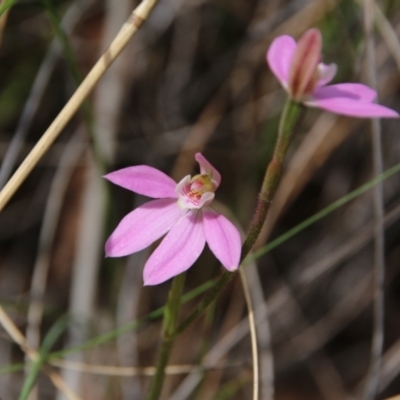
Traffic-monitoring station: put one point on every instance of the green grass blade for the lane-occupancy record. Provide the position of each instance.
(9, 369)
(63, 38)
(69, 56)
(323, 213)
(6, 5)
(57, 329)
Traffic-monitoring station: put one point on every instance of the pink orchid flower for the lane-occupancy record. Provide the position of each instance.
(182, 212)
(298, 68)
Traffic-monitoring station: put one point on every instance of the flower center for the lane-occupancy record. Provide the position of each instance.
(201, 184)
(195, 192)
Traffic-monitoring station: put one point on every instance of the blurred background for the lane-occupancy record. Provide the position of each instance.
(194, 78)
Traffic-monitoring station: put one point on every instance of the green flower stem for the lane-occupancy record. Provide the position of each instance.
(210, 296)
(289, 121)
(57, 329)
(170, 324)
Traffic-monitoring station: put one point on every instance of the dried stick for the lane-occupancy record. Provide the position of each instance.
(130, 27)
(266, 358)
(253, 333)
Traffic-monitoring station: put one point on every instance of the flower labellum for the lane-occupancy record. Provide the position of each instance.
(299, 69)
(182, 212)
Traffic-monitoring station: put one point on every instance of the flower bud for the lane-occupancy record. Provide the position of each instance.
(303, 73)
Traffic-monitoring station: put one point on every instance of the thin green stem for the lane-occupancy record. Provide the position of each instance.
(289, 120)
(290, 117)
(210, 296)
(170, 323)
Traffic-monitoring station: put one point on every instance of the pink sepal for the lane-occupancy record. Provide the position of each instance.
(223, 238)
(178, 250)
(144, 180)
(141, 227)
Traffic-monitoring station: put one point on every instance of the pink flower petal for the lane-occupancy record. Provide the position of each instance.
(326, 73)
(206, 199)
(178, 250)
(207, 169)
(352, 108)
(279, 57)
(144, 180)
(355, 91)
(223, 238)
(143, 226)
